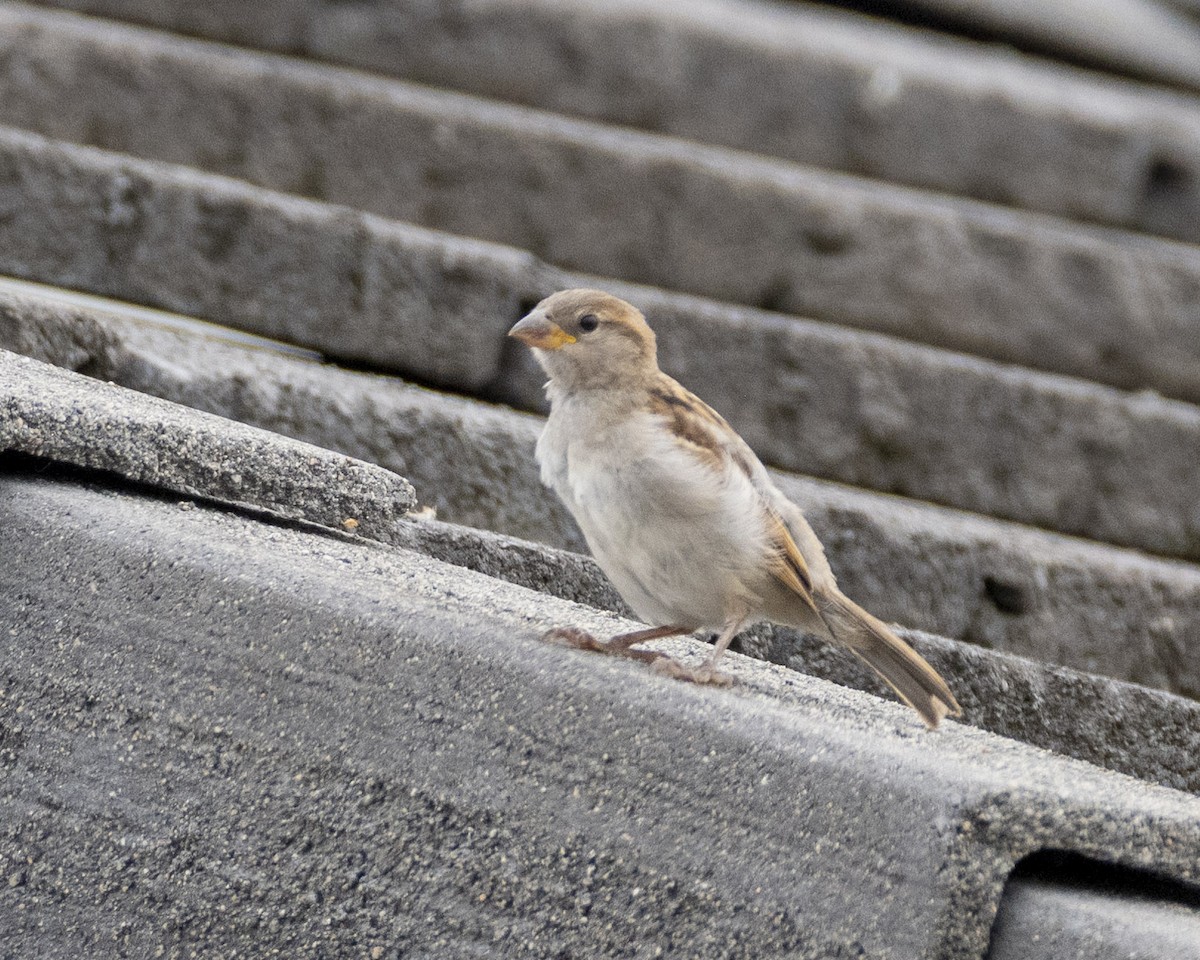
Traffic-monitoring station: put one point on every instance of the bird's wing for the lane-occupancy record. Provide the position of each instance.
(787, 563)
(707, 435)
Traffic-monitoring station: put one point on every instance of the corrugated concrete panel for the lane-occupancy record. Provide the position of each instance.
(266, 720)
(1048, 598)
(1120, 726)
(1015, 287)
(1095, 913)
(798, 82)
(1151, 39)
(265, 740)
(840, 404)
(50, 413)
(325, 276)
(996, 584)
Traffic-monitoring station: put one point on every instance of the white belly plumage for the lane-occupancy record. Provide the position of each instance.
(668, 531)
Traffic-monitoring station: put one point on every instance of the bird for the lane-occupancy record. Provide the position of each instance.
(679, 512)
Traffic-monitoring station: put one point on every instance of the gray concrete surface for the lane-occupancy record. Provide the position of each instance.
(798, 81)
(235, 724)
(323, 276)
(1151, 39)
(456, 449)
(1041, 920)
(1014, 287)
(995, 584)
(839, 404)
(51, 413)
(309, 745)
(1123, 727)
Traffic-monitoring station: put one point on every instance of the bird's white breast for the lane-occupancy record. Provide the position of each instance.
(682, 543)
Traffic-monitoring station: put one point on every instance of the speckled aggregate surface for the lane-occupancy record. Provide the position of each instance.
(857, 407)
(254, 703)
(998, 585)
(477, 463)
(67, 418)
(276, 742)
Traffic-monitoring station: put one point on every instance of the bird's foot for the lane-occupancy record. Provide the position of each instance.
(580, 639)
(572, 637)
(707, 674)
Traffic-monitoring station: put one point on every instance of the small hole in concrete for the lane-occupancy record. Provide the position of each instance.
(1166, 177)
(1050, 892)
(1007, 597)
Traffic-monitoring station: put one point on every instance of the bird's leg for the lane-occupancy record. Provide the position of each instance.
(619, 645)
(708, 672)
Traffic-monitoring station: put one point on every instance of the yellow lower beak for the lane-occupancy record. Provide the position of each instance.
(537, 331)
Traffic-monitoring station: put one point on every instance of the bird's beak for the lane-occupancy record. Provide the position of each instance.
(537, 330)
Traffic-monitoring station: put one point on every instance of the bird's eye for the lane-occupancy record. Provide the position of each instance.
(589, 322)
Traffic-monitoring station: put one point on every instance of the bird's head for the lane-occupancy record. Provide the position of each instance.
(588, 339)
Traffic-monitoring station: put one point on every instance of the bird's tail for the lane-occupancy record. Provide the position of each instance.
(917, 683)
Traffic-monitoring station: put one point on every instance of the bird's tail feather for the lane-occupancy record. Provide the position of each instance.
(905, 670)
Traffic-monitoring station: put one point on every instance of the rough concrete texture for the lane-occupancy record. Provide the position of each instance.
(995, 584)
(465, 458)
(225, 731)
(1015, 287)
(1123, 727)
(1129, 729)
(322, 276)
(802, 83)
(1151, 39)
(61, 416)
(1041, 920)
(311, 745)
(839, 404)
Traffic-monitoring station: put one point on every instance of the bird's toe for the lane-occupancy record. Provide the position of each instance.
(575, 637)
(706, 675)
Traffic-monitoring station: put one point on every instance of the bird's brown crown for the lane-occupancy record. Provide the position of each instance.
(570, 310)
(589, 339)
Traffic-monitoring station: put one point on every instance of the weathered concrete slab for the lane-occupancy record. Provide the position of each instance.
(317, 275)
(838, 404)
(1130, 729)
(393, 762)
(51, 413)
(1014, 287)
(1127, 729)
(802, 83)
(1142, 38)
(1041, 919)
(998, 585)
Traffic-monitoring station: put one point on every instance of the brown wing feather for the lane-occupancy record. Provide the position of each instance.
(698, 426)
(788, 565)
(705, 432)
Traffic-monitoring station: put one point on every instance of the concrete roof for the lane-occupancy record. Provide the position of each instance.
(326, 730)
(256, 700)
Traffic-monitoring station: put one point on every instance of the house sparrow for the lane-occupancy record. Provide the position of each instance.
(679, 512)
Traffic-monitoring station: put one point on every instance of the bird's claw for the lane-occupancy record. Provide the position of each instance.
(706, 675)
(572, 637)
(660, 663)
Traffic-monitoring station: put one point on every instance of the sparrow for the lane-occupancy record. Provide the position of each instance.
(678, 511)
